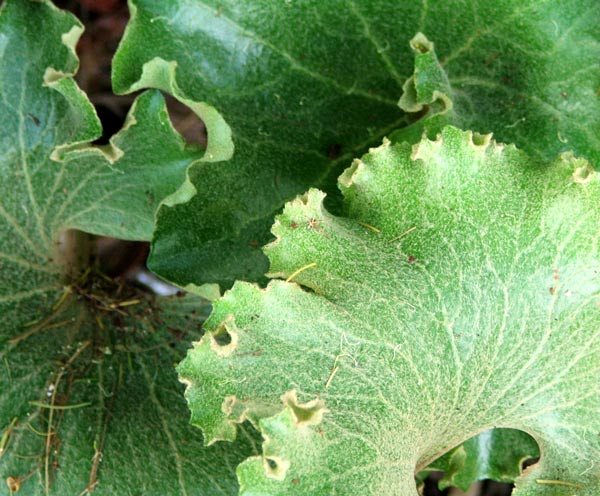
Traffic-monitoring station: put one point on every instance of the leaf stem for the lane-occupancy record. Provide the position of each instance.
(559, 483)
(301, 269)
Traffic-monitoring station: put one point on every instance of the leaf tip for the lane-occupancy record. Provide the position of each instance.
(71, 37)
(304, 209)
(386, 143)
(234, 409)
(53, 76)
(276, 467)
(452, 137)
(421, 44)
(304, 414)
(481, 141)
(584, 173)
(162, 74)
(346, 179)
(224, 339)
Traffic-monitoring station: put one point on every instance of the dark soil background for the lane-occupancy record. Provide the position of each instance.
(105, 21)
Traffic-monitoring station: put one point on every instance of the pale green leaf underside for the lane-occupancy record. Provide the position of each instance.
(475, 306)
(129, 432)
(307, 86)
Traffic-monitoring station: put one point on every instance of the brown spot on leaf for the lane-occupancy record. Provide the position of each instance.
(14, 484)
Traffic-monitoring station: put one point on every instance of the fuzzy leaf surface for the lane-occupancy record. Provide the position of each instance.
(307, 86)
(461, 293)
(88, 394)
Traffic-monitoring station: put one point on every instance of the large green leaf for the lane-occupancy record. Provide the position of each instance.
(77, 340)
(461, 293)
(126, 427)
(307, 85)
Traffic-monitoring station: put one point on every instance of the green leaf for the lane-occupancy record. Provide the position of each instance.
(461, 293)
(97, 404)
(427, 93)
(53, 178)
(497, 454)
(88, 393)
(307, 86)
(113, 191)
